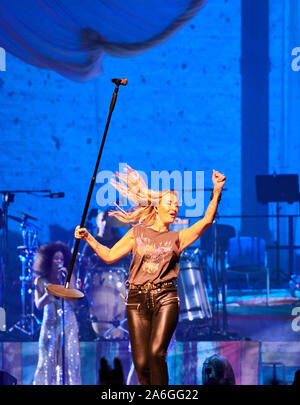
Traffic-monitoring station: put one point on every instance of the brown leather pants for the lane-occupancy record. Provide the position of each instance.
(152, 318)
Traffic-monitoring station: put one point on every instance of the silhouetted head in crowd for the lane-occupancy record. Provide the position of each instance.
(109, 376)
(297, 378)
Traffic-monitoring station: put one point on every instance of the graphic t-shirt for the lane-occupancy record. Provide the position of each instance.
(155, 256)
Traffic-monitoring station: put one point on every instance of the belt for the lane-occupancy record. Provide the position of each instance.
(150, 286)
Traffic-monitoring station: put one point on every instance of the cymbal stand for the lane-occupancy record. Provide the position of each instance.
(7, 198)
(29, 323)
(279, 271)
(116, 325)
(219, 257)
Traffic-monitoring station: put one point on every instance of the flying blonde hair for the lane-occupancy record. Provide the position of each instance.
(131, 185)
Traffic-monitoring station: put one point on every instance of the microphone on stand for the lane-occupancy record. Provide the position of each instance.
(63, 272)
(123, 82)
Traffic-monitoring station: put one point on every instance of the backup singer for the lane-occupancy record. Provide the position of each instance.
(50, 263)
(153, 303)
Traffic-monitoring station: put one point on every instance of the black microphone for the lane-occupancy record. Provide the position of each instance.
(56, 195)
(62, 270)
(123, 82)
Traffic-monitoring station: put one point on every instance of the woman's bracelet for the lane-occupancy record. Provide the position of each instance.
(212, 196)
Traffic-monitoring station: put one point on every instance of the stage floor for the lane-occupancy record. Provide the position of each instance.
(253, 362)
(259, 340)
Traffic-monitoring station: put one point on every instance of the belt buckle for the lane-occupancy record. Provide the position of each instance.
(148, 286)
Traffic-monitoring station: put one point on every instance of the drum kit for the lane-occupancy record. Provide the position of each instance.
(28, 323)
(105, 291)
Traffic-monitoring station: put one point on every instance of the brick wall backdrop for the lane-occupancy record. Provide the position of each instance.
(180, 111)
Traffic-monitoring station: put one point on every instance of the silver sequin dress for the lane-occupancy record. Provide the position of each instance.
(49, 368)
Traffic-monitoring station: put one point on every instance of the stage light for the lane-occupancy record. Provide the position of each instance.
(217, 370)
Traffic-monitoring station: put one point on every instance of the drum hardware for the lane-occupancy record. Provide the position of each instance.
(195, 311)
(8, 197)
(199, 309)
(116, 324)
(104, 288)
(26, 216)
(219, 296)
(194, 303)
(102, 284)
(29, 324)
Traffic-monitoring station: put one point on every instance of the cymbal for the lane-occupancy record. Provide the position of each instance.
(27, 216)
(20, 220)
(64, 292)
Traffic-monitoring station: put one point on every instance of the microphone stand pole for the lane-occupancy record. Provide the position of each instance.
(65, 291)
(63, 364)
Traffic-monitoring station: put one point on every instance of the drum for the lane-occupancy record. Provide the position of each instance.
(194, 302)
(103, 287)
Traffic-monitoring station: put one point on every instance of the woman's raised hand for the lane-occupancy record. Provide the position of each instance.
(81, 233)
(218, 180)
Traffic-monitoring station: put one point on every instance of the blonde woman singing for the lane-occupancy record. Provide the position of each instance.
(153, 303)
